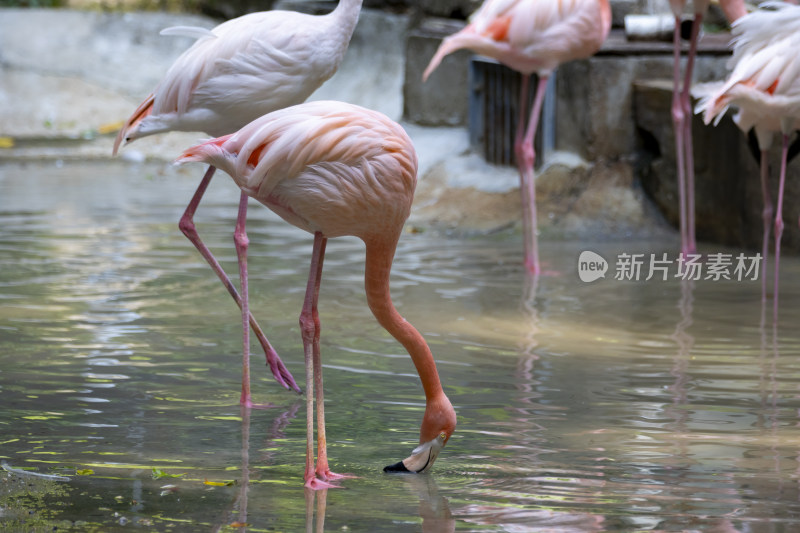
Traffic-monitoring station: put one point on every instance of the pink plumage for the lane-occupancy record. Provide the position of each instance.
(764, 85)
(531, 36)
(244, 68)
(337, 169)
(326, 167)
(765, 80)
(234, 73)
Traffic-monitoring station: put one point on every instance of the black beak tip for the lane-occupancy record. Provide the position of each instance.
(398, 467)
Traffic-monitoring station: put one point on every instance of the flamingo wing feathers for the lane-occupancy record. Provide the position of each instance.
(244, 68)
(765, 78)
(532, 35)
(322, 166)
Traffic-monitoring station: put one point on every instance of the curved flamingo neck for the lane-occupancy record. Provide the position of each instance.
(346, 13)
(376, 279)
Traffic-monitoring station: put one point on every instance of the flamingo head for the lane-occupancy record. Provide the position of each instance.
(437, 427)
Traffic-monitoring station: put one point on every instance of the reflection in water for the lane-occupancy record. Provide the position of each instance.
(531, 316)
(315, 515)
(434, 509)
(677, 410)
(588, 407)
(525, 380)
(237, 516)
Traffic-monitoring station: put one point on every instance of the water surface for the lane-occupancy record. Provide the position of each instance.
(613, 405)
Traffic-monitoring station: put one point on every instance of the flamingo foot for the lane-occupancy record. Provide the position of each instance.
(533, 266)
(247, 401)
(250, 405)
(314, 483)
(536, 269)
(279, 370)
(327, 475)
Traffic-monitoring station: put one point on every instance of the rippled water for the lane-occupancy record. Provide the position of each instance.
(613, 405)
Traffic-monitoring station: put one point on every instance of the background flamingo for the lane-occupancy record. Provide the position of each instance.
(765, 85)
(336, 169)
(234, 73)
(682, 110)
(531, 36)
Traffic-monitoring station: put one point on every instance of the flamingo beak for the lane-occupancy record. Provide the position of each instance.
(421, 459)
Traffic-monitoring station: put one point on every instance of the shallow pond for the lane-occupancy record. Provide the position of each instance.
(612, 405)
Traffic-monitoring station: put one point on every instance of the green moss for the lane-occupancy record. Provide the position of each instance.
(27, 504)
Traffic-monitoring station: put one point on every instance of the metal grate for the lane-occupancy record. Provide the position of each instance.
(494, 110)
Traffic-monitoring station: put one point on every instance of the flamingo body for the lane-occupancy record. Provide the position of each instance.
(531, 36)
(234, 73)
(244, 68)
(337, 169)
(764, 85)
(323, 167)
(765, 81)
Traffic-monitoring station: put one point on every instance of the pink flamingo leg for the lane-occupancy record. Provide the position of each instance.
(526, 158)
(518, 151)
(779, 222)
(686, 106)
(678, 119)
(186, 224)
(310, 327)
(242, 243)
(767, 218)
(309, 477)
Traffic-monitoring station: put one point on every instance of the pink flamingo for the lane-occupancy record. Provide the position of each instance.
(531, 36)
(682, 110)
(765, 85)
(336, 169)
(234, 73)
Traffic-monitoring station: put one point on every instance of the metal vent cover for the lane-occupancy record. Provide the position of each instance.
(494, 111)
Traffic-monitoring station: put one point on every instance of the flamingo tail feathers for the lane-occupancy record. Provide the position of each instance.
(210, 152)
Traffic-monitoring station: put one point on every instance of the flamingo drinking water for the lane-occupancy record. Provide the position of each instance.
(336, 169)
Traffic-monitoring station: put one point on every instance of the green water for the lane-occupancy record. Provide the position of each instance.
(613, 405)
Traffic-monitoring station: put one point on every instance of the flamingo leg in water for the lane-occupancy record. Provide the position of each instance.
(310, 327)
(526, 158)
(518, 140)
(678, 119)
(242, 242)
(186, 224)
(779, 222)
(767, 219)
(688, 155)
